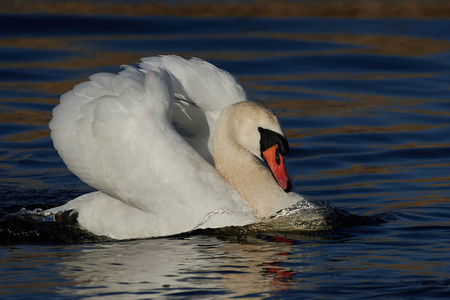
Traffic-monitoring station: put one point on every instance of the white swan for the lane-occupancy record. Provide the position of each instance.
(144, 139)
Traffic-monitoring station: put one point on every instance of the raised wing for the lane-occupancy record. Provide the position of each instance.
(97, 121)
(115, 133)
(202, 91)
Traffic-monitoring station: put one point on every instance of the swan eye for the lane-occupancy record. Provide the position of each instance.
(277, 156)
(270, 139)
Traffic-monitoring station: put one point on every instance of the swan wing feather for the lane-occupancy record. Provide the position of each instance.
(202, 91)
(115, 132)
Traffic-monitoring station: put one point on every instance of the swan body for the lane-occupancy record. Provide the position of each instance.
(145, 139)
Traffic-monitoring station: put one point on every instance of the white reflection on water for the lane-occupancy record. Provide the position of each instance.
(197, 265)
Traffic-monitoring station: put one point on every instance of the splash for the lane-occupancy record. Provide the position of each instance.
(306, 216)
(39, 227)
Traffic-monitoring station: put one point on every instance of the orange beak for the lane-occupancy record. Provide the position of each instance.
(275, 162)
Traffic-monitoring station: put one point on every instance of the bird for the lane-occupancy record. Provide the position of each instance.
(170, 145)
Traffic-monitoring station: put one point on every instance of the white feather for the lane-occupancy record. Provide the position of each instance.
(116, 133)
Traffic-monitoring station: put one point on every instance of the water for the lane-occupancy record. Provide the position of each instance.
(364, 102)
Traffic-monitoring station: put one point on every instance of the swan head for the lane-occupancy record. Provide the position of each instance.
(257, 129)
(274, 147)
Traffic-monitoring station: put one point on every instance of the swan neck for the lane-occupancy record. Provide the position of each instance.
(245, 173)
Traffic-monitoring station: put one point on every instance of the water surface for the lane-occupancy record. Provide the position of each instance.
(364, 102)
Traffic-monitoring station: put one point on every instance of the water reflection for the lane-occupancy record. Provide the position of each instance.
(32, 272)
(366, 258)
(198, 265)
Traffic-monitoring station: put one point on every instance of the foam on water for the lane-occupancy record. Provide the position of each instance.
(306, 216)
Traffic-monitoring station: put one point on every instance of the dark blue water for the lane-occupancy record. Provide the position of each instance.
(365, 104)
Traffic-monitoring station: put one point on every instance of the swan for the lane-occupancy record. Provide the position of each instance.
(171, 146)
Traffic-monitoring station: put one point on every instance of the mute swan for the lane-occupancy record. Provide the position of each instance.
(144, 138)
